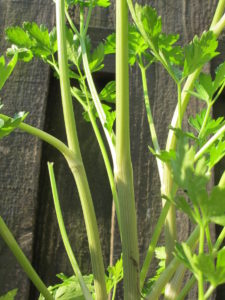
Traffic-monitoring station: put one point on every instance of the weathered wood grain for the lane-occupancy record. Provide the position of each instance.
(20, 154)
(26, 201)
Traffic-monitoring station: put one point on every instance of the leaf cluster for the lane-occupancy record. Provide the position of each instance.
(137, 46)
(115, 275)
(160, 254)
(192, 178)
(6, 69)
(6, 127)
(213, 269)
(207, 89)
(179, 62)
(31, 40)
(69, 288)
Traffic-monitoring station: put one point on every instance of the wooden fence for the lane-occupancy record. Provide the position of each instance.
(25, 197)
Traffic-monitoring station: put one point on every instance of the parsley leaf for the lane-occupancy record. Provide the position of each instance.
(10, 295)
(108, 93)
(31, 40)
(96, 58)
(211, 126)
(6, 127)
(214, 208)
(136, 45)
(69, 288)
(6, 69)
(199, 52)
(216, 153)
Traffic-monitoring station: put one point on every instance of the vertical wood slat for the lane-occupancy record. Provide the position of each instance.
(19, 153)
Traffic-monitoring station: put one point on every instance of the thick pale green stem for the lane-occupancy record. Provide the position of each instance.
(124, 172)
(170, 222)
(173, 288)
(77, 167)
(219, 12)
(64, 235)
(7, 236)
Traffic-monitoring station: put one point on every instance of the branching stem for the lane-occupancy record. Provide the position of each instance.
(77, 168)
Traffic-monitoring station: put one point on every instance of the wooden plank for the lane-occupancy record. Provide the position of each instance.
(19, 178)
(20, 154)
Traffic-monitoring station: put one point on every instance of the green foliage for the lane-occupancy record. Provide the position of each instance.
(69, 288)
(211, 126)
(6, 69)
(136, 46)
(10, 295)
(73, 48)
(6, 127)
(165, 156)
(203, 263)
(190, 177)
(31, 40)
(193, 177)
(206, 88)
(162, 45)
(108, 93)
(115, 275)
(214, 206)
(193, 56)
(216, 153)
(96, 58)
(160, 254)
(199, 52)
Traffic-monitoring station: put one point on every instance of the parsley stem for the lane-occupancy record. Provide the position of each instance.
(179, 105)
(188, 286)
(77, 167)
(200, 274)
(95, 97)
(206, 117)
(9, 239)
(209, 292)
(151, 122)
(64, 235)
(210, 142)
(153, 243)
(219, 26)
(219, 240)
(107, 164)
(219, 12)
(88, 18)
(124, 172)
(208, 238)
(50, 139)
(71, 23)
